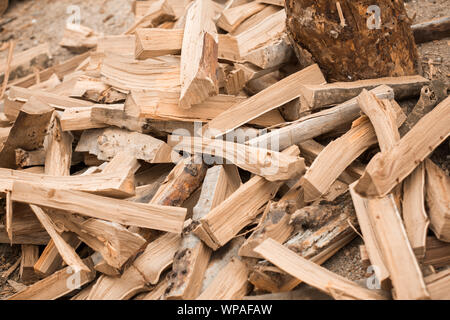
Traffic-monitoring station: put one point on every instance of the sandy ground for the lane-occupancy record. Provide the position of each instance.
(42, 21)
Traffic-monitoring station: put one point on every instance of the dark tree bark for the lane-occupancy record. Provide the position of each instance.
(359, 43)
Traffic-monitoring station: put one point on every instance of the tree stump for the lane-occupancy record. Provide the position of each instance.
(353, 39)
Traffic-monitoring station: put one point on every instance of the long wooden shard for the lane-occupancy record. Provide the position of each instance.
(382, 116)
(191, 260)
(50, 260)
(397, 253)
(271, 165)
(106, 143)
(66, 251)
(314, 125)
(128, 213)
(115, 184)
(58, 156)
(159, 105)
(199, 55)
(268, 99)
(338, 92)
(437, 196)
(341, 152)
(336, 286)
(386, 170)
(370, 240)
(414, 214)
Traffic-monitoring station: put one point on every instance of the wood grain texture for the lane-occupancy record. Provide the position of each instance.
(386, 170)
(314, 275)
(199, 55)
(415, 217)
(268, 99)
(142, 215)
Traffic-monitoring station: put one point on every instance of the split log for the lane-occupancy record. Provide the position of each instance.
(371, 245)
(386, 170)
(57, 285)
(273, 54)
(319, 232)
(437, 196)
(50, 260)
(396, 250)
(114, 184)
(106, 143)
(279, 3)
(28, 131)
(191, 260)
(272, 165)
(318, 96)
(66, 251)
(269, 99)
(262, 31)
(220, 259)
(311, 126)
(413, 207)
(199, 55)
(435, 29)
(128, 213)
(81, 119)
(58, 157)
(336, 286)
(383, 117)
(353, 40)
(255, 20)
(160, 105)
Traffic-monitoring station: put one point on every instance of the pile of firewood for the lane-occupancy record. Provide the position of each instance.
(177, 161)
